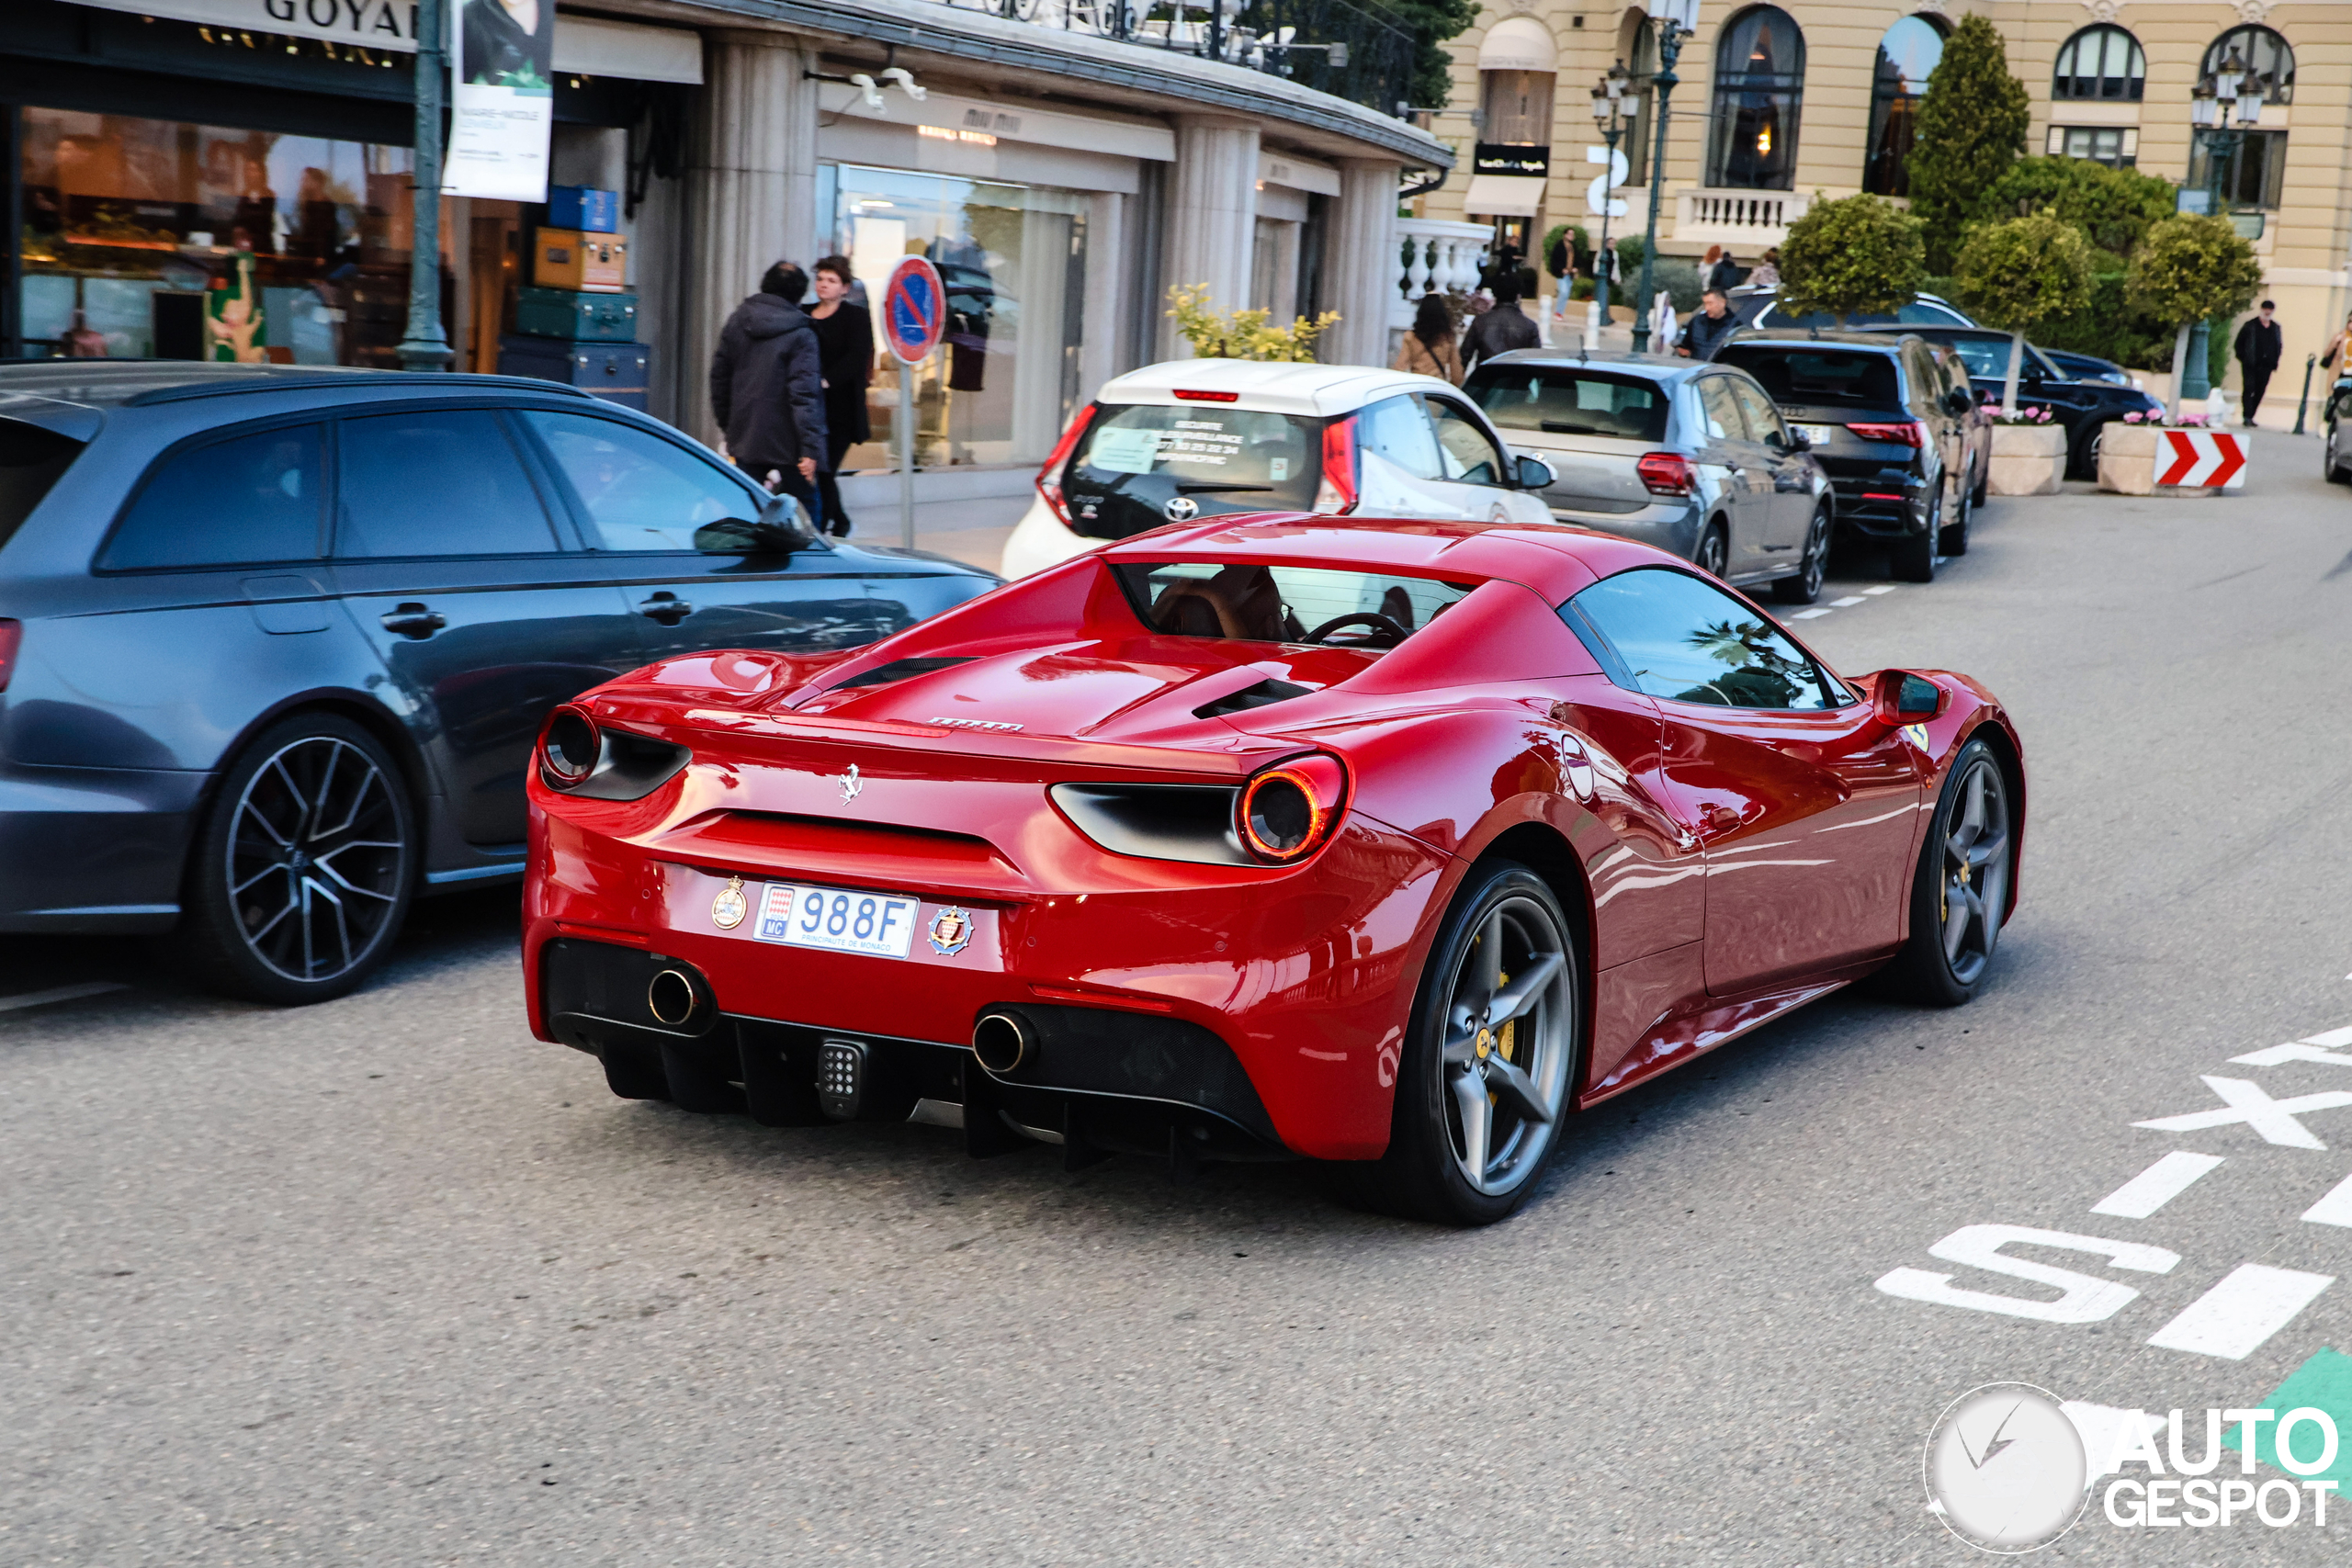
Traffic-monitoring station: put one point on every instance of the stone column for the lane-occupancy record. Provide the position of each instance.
(750, 194)
(1212, 215)
(1361, 266)
(1099, 357)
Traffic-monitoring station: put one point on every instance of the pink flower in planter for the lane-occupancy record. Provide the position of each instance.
(2192, 420)
(2134, 418)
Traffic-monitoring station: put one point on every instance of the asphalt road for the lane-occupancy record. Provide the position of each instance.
(387, 1282)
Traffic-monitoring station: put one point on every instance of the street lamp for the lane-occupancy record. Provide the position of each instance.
(2222, 109)
(1609, 109)
(1675, 20)
(426, 347)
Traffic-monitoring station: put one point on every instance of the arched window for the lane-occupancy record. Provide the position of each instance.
(1910, 50)
(1760, 92)
(2103, 62)
(2260, 51)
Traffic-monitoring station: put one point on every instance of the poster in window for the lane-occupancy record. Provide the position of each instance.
(502, 100)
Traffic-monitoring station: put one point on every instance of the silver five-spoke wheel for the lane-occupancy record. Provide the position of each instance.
(1508, 1042)
(1975, 869)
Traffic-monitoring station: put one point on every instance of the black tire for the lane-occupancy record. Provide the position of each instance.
(1912, 558)
(1952, 539)
(2330, 458)
(2081, 453)
(1983, 478)
(1456, 1055)
(1812, 568)
(1713, 555)
(1960, 890)
(303, 866)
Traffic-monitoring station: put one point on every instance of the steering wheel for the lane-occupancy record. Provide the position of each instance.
(1380, 625)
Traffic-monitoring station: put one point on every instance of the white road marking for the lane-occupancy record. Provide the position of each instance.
(61, 994)
(2274, 1119)
(2336, 1209)
(1816, 615)
(2156, 1186)
(2271, 1056)
(2248, 1306)
(2104, 1430)
(1842, 603)
(2333, 1037)
(2088, 1298)
(1889, 588)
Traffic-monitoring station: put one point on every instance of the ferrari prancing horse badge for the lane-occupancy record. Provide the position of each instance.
(728, 910)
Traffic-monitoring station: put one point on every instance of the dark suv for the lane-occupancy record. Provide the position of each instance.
(275, 644)
(1893, 420)
(2084, 405)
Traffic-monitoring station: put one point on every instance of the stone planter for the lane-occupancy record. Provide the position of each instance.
(2127, 463)
(2027, 459)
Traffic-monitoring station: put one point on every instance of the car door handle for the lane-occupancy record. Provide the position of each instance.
(413, 621)
(667, 608)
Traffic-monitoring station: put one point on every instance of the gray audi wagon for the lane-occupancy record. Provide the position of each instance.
(275, 644)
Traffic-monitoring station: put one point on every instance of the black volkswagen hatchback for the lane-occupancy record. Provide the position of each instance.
(275, 644)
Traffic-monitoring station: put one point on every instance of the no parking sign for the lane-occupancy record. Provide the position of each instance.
(914, 310)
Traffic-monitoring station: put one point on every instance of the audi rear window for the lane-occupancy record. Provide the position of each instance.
(1571, 401)
(32, 460)
(1843, 378)
(1261, 460)
(1248, 601)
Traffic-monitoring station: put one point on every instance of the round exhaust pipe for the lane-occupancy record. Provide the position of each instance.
(673, 997)
(1003, 1040)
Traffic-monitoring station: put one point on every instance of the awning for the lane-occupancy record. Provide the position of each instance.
(1504, 196)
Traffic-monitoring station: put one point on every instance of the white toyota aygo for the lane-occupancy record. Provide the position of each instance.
(1199, 437)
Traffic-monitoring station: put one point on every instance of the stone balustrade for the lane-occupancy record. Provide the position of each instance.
(1745, 222)
(1435, 257)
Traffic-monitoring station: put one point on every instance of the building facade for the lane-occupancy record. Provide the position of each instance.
(1778, 104)
(1062, 163)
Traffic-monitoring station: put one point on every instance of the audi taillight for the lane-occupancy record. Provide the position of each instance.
(1909, 432)
(1289, 811)
(1665, 473)
(1337, 493)
(569, 747)
(12, 636)
(1049, 477)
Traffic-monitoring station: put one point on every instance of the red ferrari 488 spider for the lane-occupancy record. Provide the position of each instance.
(1388, 845)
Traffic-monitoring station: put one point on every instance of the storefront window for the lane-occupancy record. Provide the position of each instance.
(146, 237)
(1003, 384)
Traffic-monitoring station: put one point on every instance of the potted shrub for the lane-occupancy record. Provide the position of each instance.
(2019, 274)
(1854, 254)
(2127, 455)
(2189, 269)
(2029, 452)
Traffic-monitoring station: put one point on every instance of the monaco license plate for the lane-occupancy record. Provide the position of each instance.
(1816, 435)
(838, 919)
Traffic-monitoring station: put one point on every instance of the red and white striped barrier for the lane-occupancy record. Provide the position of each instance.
(2200, 459)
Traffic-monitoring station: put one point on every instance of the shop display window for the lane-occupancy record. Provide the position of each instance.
(1003, 384)
(154, 238)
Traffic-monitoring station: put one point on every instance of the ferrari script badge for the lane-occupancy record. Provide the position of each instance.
(1182, 509)
(728, 910)
(851, 785)
(951, 932)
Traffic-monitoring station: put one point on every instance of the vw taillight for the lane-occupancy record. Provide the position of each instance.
(1289, 811)
(1665, 473)
(1337, 493)
(1049, 477)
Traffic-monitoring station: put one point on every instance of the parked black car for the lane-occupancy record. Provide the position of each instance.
(1893, 420)
(1686, 455)
(2083, 407)
(2087, 366)
(1760, 309)
(275, 644)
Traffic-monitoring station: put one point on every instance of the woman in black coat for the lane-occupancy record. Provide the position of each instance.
(845, 359)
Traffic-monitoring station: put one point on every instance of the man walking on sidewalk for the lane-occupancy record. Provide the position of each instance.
(2259, 347)
(767, 392)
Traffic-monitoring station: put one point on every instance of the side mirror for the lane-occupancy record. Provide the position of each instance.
(782, 528)
(1957, 401)
(1534, 473)
(1906, 698)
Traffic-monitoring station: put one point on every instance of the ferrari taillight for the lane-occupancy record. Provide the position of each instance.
(1664, 473)
(1337, 493)
(1909, 432)
(569, 747)
(1289, 811)
(12, 636)
(1049, 477)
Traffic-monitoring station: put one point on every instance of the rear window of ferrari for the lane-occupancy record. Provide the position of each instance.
(1253, 602)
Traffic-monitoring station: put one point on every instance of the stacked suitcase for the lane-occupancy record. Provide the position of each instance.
(577, 321)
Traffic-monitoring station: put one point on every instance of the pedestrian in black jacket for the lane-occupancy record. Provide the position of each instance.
(1707, 330)
(766, 391)
(1500, 330)
(2259, 347)
(845, 358)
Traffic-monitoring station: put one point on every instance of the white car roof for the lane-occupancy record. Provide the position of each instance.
(1320, 390)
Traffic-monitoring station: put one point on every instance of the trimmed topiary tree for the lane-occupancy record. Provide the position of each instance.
(2187, 269)
(2022, 272)
(1973, 125)
(1857, 253)
(2112, 206)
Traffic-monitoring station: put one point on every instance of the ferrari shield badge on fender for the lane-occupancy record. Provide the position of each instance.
(951, 932)
(1919, 734)
(728, 910)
